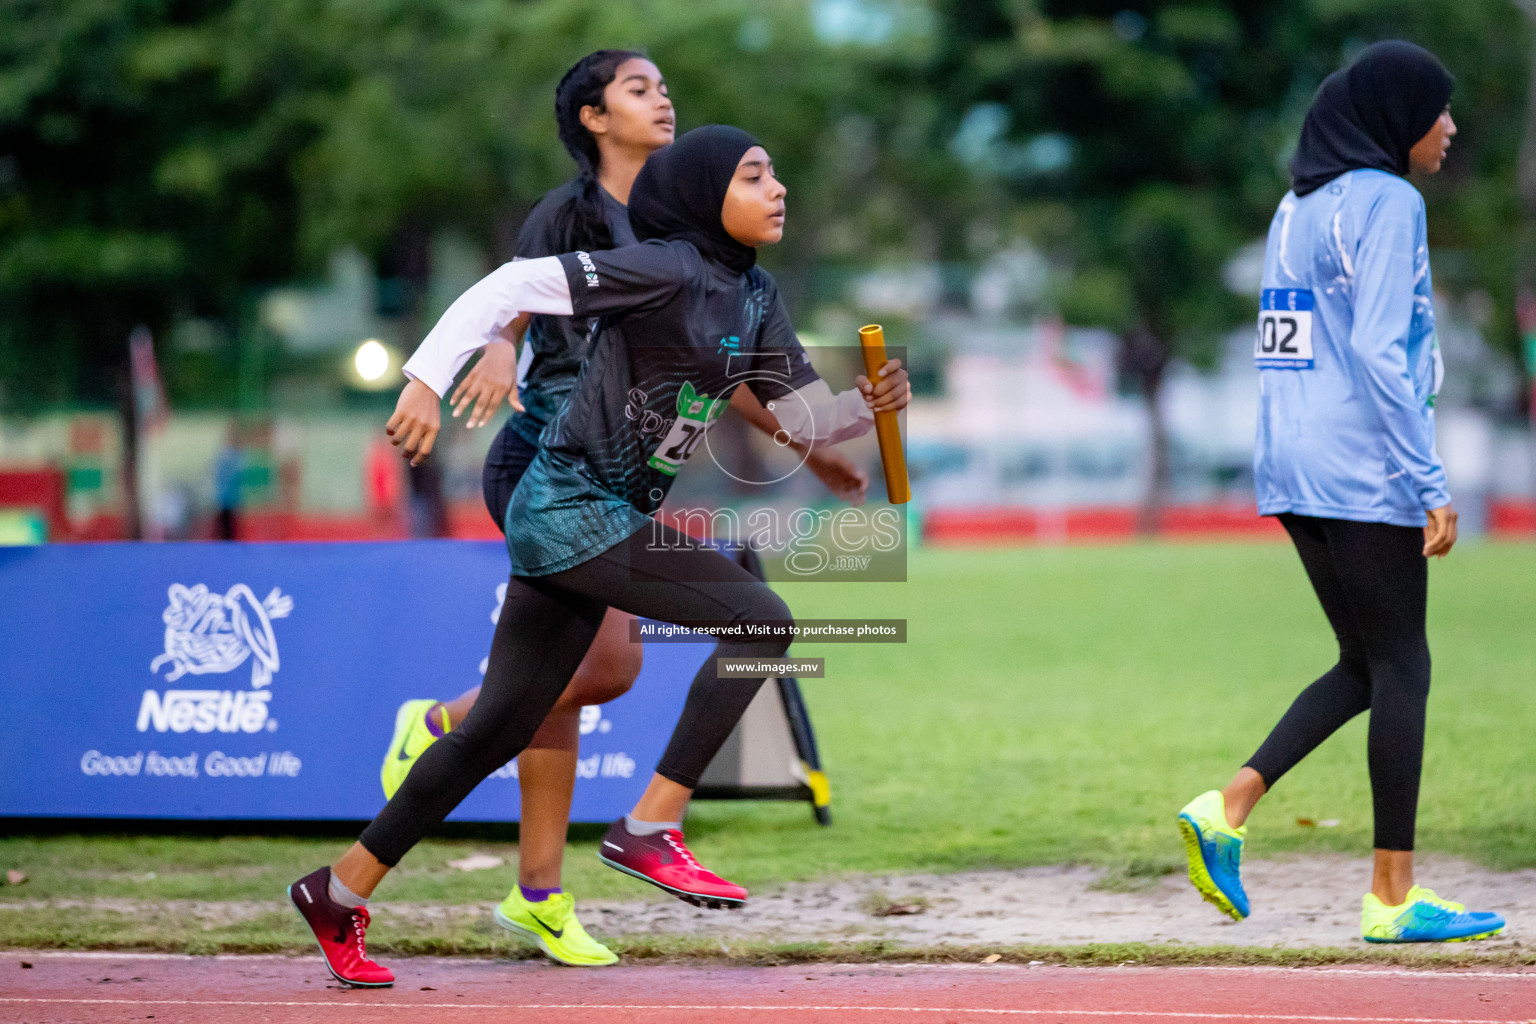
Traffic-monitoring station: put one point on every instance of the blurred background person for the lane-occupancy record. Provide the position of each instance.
(429, 510)
(229, 485)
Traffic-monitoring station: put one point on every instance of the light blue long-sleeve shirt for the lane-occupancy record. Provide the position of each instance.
(1348, 364)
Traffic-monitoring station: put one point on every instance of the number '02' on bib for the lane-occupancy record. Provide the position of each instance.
(1284, 341)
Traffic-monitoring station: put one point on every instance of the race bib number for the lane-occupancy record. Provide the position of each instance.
(1284, 341)
(695, 412)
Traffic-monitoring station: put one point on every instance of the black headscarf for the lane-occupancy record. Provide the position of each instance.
(1370, 114)
(679, 192)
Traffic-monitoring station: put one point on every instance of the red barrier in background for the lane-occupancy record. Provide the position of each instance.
(956, 527)
(1002, 526)
(36, 490)
(1512, 518)
(953, 527)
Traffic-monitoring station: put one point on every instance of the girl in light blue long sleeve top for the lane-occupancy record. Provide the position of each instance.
(1348, 371)
(1348, 366)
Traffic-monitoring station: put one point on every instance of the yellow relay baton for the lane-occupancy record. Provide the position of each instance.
(892, 458)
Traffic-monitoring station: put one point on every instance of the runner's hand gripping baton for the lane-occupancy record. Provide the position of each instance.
(892, 459)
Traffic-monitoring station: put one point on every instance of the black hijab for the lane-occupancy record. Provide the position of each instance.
(679, 192)
(1370, 114)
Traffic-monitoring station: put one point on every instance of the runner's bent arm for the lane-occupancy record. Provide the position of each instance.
(638, 277)
(588, 284)
(842, 477)
(801, 401)
(492, 378)
(813, 414)
(477, 317)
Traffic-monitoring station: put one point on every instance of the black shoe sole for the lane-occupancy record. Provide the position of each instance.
(327, 960)
(706, 902)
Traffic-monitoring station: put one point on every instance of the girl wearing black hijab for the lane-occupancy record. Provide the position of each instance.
(685, 318)
(1348, 370)
(612, 109)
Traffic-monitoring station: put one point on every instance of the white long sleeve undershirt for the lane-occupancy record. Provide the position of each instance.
(811, 414)
(477, 317)
(814, 414)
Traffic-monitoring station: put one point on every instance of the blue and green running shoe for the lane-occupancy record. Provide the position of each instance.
(1215, 852)
(1424, 917)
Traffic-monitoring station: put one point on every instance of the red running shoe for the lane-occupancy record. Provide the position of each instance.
(339, 930)
(666, 863)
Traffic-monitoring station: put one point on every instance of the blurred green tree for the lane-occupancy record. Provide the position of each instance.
(428, 114)
(1143, 143)
(162, 160)
(168, 158)
(121, 202)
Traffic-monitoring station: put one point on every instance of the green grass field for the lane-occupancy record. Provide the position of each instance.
(1051, 705)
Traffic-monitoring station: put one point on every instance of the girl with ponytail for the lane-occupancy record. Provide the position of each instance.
(583, 116)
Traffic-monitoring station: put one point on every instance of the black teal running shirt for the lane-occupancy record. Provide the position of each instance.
(678, 334)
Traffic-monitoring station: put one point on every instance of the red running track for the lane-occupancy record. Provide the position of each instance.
(281, 990)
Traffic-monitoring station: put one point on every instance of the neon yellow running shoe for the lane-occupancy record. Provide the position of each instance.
(1424, 917)
(1215, 851)
(411, 737)
(553, 925)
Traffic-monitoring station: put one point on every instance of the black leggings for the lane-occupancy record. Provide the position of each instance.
(1372, 580)
(546, 626)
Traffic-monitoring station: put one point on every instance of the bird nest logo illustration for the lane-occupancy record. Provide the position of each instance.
(208, 633)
